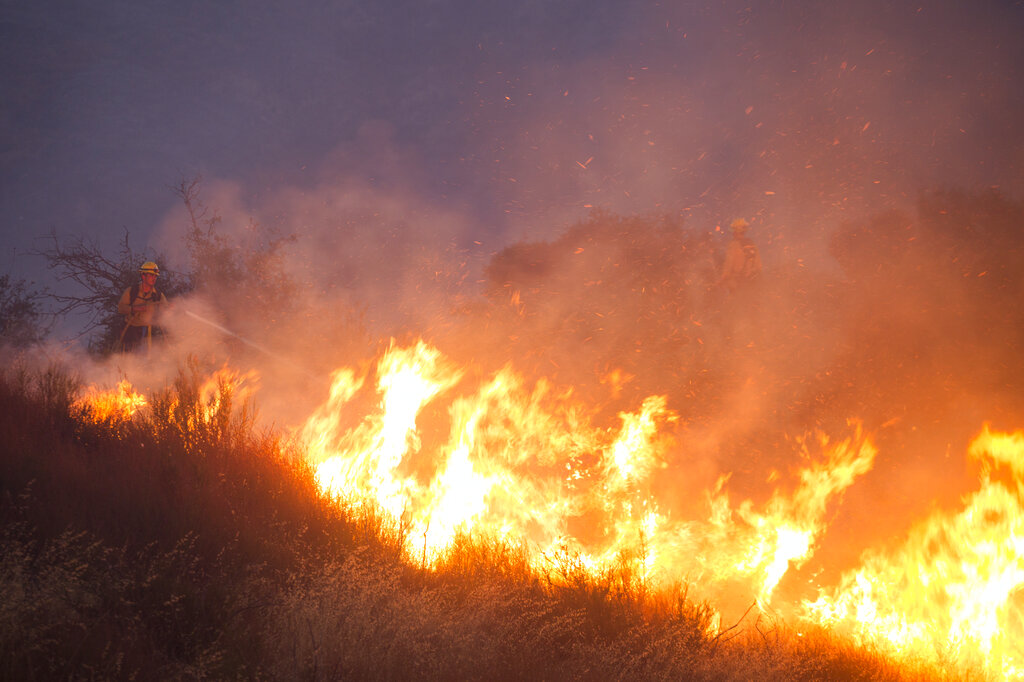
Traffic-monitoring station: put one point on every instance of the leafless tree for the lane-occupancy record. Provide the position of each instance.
(22, 320)
(243, 269)
(99, 280)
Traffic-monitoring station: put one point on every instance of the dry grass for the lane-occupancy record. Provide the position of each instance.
(185, 545)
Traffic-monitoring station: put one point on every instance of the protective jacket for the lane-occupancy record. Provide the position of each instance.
(140, 326)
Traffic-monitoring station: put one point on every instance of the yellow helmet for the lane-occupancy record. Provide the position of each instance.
(150, 267)
(740, 225)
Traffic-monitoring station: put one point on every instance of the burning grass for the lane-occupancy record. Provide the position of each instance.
(183, 542)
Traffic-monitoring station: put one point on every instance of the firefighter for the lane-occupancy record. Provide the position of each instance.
(742, 260)
(141, 304)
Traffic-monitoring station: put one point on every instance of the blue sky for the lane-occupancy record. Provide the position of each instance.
(518, 118)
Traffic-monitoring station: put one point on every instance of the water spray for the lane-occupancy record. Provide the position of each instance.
(262, 349)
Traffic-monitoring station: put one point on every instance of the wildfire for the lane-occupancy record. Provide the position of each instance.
(955, 589)
(118, 404)
(210, 398)
(786, 532)
(445, 451)
(529, 462)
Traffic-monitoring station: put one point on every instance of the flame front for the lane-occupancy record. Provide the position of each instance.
(955, 589)
(444, 450)
(118, 404)
(529, 463)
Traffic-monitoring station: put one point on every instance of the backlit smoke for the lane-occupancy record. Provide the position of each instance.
(573, 374)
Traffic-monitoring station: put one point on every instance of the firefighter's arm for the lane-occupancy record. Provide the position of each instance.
(124, 306)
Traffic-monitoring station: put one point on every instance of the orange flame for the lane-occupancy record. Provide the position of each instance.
(529, 464)
(786, 533)
(445, 452)
(114, 405)
(955, 590)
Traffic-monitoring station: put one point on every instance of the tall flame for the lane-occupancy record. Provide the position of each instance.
(529, 463)
(446, 451)
(955, 589)
(366, 459)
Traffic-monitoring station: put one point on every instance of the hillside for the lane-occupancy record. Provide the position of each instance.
(184, 543)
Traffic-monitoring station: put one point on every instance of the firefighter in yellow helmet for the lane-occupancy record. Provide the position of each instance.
(141, 304)
(742, 263)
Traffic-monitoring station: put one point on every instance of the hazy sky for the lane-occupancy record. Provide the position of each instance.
(517, 117)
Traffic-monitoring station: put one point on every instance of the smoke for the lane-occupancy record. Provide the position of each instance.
(565, 216)
(803, 113)
(876, 302)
